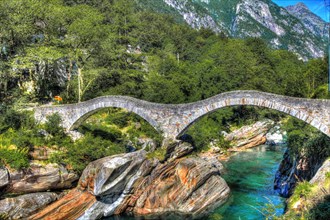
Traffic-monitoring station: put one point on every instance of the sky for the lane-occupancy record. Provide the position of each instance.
(316, 6)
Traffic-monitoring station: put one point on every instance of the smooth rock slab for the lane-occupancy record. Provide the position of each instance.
(320, 176)
(131, 183)
(188, 186)
(22, 206)
(249, 136)
(103, 185)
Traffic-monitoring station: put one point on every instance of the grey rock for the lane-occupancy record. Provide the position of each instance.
(4, 177)
(187, 186)
(297, 168)
(23, 206)
(113, 179)
(320, 176)
(40, 178)
(178, 150)
(311, 21)
(131, 183)
(147, 144)
(250, 135)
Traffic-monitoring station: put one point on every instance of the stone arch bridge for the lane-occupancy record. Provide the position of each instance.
(172, 120)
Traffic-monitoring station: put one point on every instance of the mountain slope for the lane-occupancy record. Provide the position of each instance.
(311, 21)
(294, 28)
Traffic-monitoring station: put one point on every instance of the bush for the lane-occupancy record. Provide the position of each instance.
(86, 150)
(9, 118)
(107, 133)
(16, 158)
(53, 125)
(159, 154)
(120, 119)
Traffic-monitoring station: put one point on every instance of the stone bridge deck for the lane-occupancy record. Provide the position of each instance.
(172, 120)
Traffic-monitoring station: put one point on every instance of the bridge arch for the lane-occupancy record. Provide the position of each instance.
(172, 120)
(300, 115)
(311, 111)
(73, 115)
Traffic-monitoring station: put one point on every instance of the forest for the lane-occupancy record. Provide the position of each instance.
(82, 49)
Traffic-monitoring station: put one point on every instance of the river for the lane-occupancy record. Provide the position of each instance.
(250, 176)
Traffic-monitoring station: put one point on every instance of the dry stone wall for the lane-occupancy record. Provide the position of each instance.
(173, 120)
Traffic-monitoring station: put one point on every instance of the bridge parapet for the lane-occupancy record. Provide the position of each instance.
(173, 120)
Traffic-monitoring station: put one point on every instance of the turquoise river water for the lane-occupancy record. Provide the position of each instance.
(250, 176)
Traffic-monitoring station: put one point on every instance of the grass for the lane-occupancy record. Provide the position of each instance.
(309, 201)
(159, 154)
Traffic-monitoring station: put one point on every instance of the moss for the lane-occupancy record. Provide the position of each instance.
(302, 191)
(309, 201)
(159, 154)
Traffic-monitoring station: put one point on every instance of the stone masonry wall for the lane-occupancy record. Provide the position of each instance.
(173, 120)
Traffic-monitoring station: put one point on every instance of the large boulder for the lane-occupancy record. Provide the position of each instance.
(102, 186)
(23, 206)
(131, 183)
(249, 136)
(188, 186)
(177, 150)
(39, 178)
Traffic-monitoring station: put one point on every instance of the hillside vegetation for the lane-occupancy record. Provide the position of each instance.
(82, 49)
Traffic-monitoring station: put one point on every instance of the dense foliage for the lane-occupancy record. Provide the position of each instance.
(81, 49)
(115, 132)
(305, 139)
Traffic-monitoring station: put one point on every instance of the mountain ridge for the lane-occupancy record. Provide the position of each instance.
(294, 28)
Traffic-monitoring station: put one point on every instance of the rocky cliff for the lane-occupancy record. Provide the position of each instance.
(35, 183)
(294, 169)
(294, 28)
(312, 22)
(131, 183)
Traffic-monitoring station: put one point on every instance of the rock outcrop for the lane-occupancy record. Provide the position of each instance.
(131, 183)
(39, 178)
(296, 168)
(249, 136)
(4, 177)
(321, 175)
(23, 206)
(189, 186)
(178, 150)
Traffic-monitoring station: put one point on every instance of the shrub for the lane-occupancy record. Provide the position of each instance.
(107, 133)
(13, 119)
(52, 126)
(16, 158)
(159, 154)
(120, 119)
(86, 150)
